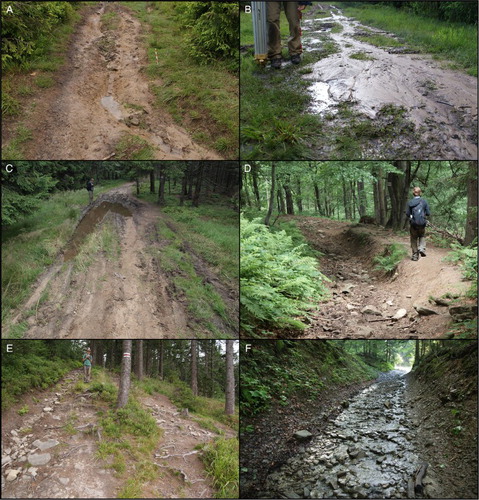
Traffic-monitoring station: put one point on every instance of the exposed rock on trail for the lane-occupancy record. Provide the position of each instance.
(437, 106)
(102, 96)
(366, 452)
(118, 296)
(62, 463)
(365, 303)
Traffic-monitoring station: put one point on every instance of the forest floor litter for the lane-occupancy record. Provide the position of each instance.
(101, 99)
(128, 296)
(363, 302)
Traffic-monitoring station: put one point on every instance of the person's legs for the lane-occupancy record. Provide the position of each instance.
(422, 241)
(88, 373)
(85, 373)
(294, 40)
(413, 234)
(274, 33)
(90, 194)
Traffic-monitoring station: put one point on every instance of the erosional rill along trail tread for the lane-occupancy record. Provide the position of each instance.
(121, 298)
(441, 103)
(356, 285)
(70, 121)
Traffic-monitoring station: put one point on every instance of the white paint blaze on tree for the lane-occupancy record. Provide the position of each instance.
(230, 380)
(125, 377)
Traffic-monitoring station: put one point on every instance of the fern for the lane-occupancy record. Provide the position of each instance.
(279, 283)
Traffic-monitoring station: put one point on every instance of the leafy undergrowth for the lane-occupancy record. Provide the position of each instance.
(273, 372)
(389, 259)
(25, 372)
(32, 244)
(279, 282)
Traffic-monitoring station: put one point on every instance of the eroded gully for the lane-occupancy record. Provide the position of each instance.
(366, 452)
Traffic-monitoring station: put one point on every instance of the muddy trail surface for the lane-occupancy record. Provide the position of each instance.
(123, 295)
(102, 97)
(367, 303)
(368, 451)
(418, 106)
(59, 438)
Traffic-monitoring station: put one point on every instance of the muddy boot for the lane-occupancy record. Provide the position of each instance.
(422, 252)
(276, 63)
(296, 59)
(415, 256)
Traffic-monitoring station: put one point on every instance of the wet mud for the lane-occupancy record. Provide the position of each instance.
(102, 98)
(89, 223)
(437, 106)
(366, 452)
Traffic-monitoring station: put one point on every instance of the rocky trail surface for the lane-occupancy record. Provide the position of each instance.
(50, 452)
(365, 302)
(102, 96)
(367, 451)
(128, 296)
(439, 104)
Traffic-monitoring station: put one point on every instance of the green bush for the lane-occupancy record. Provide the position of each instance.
(213, 31)
(278, 282)
(467, 257)
(25, 31)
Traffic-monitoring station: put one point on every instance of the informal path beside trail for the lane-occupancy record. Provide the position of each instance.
(102, 94)
(440, 102)
(348, 251)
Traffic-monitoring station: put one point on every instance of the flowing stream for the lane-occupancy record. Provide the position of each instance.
(366, 452)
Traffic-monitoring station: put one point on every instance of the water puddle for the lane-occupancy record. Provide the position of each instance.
(112, 106)
(88, 225)
(321, 99)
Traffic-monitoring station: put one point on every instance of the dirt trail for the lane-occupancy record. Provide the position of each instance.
(348, 252)
(124, 297)
(72, 470)
(441, 103)
(177, 456)
(102, 94)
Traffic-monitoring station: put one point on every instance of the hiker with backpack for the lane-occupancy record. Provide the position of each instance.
(417, 211)
(89, 188)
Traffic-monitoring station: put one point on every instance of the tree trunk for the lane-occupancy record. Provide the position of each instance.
(362, 199)
(347, 213)
(271, 197)
(398, 187)
(230, 380)
(152, 180)
(254, 175)
(125, 377)
(194, 368)
(184, 187)
(289, 199)
(299, 198)
(281, 204)
(161, 360)
(199, 180)
(317, 198)
(471, 220)
(161, 189)
(139, 364)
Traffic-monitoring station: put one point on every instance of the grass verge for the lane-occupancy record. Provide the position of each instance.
(455, 42)
(32, 244)
(202, 98)
(221, 459)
